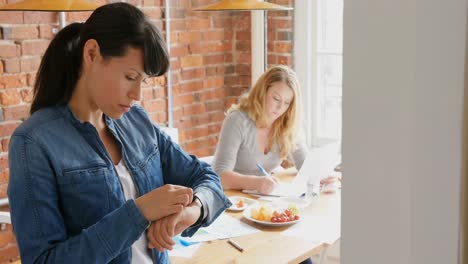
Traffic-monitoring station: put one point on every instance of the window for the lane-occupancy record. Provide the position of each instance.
(318, 63)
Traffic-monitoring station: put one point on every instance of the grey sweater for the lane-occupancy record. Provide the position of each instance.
(237, 148)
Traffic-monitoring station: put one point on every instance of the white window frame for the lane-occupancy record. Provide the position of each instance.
(306, 64)
(305, 60)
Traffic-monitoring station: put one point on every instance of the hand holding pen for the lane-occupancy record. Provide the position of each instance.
(265, 184)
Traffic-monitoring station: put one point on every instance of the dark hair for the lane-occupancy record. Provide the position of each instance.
(115, 27)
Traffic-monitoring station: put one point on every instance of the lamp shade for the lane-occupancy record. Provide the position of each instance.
(51, 5)
(239, 5)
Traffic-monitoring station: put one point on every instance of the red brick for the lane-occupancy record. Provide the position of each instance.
(34, 47)
(12, 80)
(155, 105)
(213, 94)
(222, 22)
(272, 35)
(175, 64)
(214, 59)
(11, 65)
(46, 31)
(243, 69)
(160, 92)
(149, 3)
(191, 61)
(190, 87)
(200, 3)
(1, 67)
(10, 97)
(16, 113)
(152, 12)
(197, 23)
(36, 17)
(213, 35)
(213, 83)
(6, 237)
(77, 16)
(272, 59)
(147, 94)
(11, 17)
(243, 46)
(178, 24)
(210, 47)
(3, 194)
(285, 35)
(214, 128)
(4, 174)
(20, 32)
(9, 49)
(230, 101)
(183, 99)
(216, 105)
(285, 60)
(216, 116)
(11, 251)
(280, 23)
(243, 35)
(193, 74)
(228, 58)
(30, 64)
(244, 58)
(282, 47)
(199, 132)
(177, 113)
(194, 109)
(159, 117)
(189, 37)
(31, 78)
(27, 95)
(199, 119)
(179, 51)
(7, 128)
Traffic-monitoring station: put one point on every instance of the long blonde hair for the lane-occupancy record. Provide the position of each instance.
(284, 129)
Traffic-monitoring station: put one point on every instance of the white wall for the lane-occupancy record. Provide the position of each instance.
(402, 121)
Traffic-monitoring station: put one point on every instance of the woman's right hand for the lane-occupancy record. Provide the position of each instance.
(266, 184)
(163, 201)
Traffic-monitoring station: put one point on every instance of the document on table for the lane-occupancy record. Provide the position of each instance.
(225, 226)
(283, 189)
(316, 228)
(183, 248)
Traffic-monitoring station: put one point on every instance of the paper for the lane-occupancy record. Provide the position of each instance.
(283, 189)
(316, 229)
(183, 248)
(224, 227)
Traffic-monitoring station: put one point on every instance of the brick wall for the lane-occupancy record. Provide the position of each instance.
(210, 62)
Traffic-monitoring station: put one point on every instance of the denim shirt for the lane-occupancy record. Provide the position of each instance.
(67, 203)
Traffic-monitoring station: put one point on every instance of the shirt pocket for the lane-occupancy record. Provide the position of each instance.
(84, 195)
(151, 165)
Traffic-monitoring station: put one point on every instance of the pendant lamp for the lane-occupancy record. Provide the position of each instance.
(239, 5)
(60, 6)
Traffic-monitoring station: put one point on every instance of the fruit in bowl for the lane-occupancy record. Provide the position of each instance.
(281, 215)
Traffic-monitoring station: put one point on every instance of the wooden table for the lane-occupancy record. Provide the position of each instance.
(268, 246)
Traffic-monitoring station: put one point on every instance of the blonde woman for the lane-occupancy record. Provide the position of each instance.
(261, 130)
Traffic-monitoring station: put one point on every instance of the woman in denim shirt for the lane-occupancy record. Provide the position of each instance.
(89, 171)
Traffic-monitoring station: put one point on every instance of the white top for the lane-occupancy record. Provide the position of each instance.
(140, 251)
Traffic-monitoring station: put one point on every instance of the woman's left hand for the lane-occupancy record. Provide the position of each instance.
(160, 232)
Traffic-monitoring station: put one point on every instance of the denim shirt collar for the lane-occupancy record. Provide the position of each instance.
(69, 115)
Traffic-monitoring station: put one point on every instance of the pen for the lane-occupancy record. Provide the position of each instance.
(234, 244)
(262, 170)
